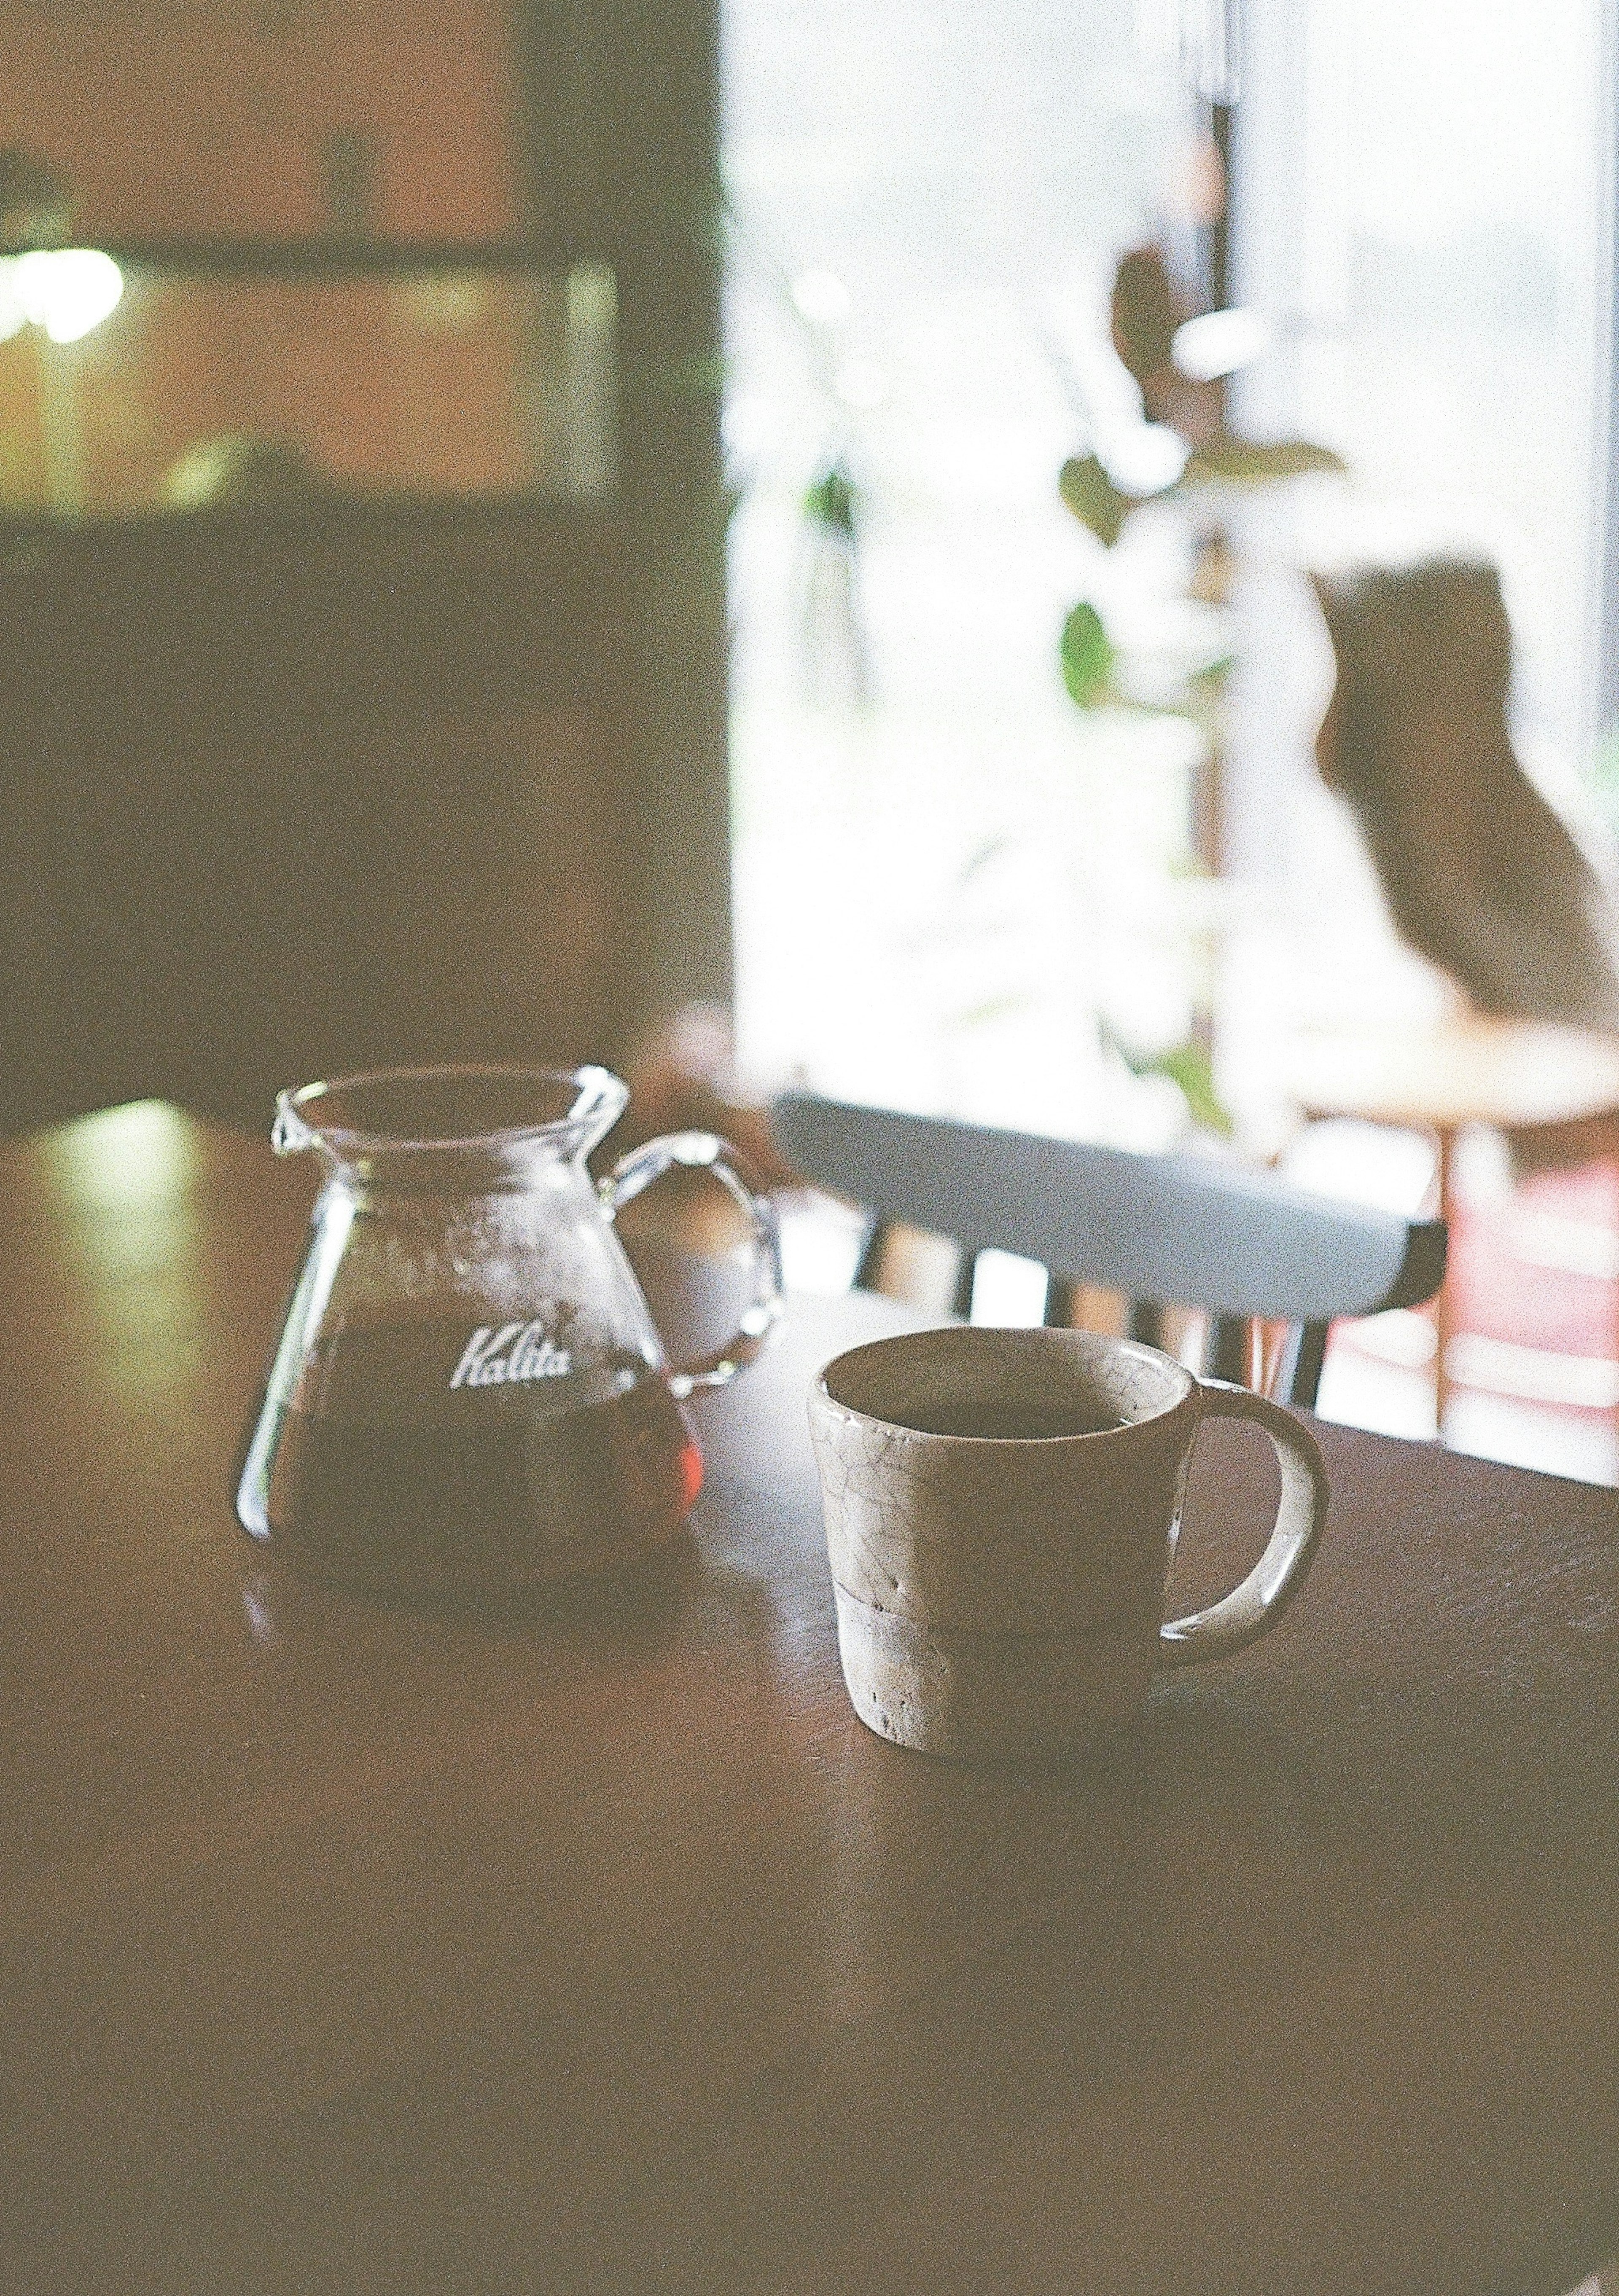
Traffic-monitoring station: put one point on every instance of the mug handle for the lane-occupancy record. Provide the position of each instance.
(1242, 1616)
(706, 1152)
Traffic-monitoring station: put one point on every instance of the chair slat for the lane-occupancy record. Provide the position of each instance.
(868, 1271)
(1186, 1229)
(1301, 1366)
(1228, 1352)
(1061, 1295)
(966, 1274)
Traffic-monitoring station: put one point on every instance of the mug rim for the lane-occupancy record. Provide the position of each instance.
(1035, 1337)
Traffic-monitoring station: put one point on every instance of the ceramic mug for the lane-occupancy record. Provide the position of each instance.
(1001, 1512)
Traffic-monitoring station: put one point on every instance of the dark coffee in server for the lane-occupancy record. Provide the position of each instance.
(502, 1485)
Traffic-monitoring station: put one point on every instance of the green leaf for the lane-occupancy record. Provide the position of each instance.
(1089, 492)
(829, 501)
(1188, 1066)
(1088, 656)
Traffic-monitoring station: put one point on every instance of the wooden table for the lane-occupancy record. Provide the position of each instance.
(356, 1948)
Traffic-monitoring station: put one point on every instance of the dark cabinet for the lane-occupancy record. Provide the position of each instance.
(281, 796)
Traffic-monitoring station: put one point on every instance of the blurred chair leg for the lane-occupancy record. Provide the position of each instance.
(1299, 1373)
(868, 1273)
(1061, 1301)
(966, 1271)
(1228, 1350)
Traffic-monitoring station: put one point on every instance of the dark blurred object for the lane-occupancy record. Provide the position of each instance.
(1147, 311)
(348, 179)
(283, 797)
(1480, 874)
(34, 207)
(241, 466)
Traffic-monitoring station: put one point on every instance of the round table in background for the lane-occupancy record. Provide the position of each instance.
(1554, 1091)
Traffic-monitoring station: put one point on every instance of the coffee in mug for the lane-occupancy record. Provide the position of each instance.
(1001, 1510)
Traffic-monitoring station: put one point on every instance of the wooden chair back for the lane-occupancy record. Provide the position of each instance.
(1167, 1230)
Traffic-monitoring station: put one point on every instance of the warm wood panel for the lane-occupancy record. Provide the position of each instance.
(222, 115)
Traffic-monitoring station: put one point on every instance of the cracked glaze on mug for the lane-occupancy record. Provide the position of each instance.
(1000, 1594)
